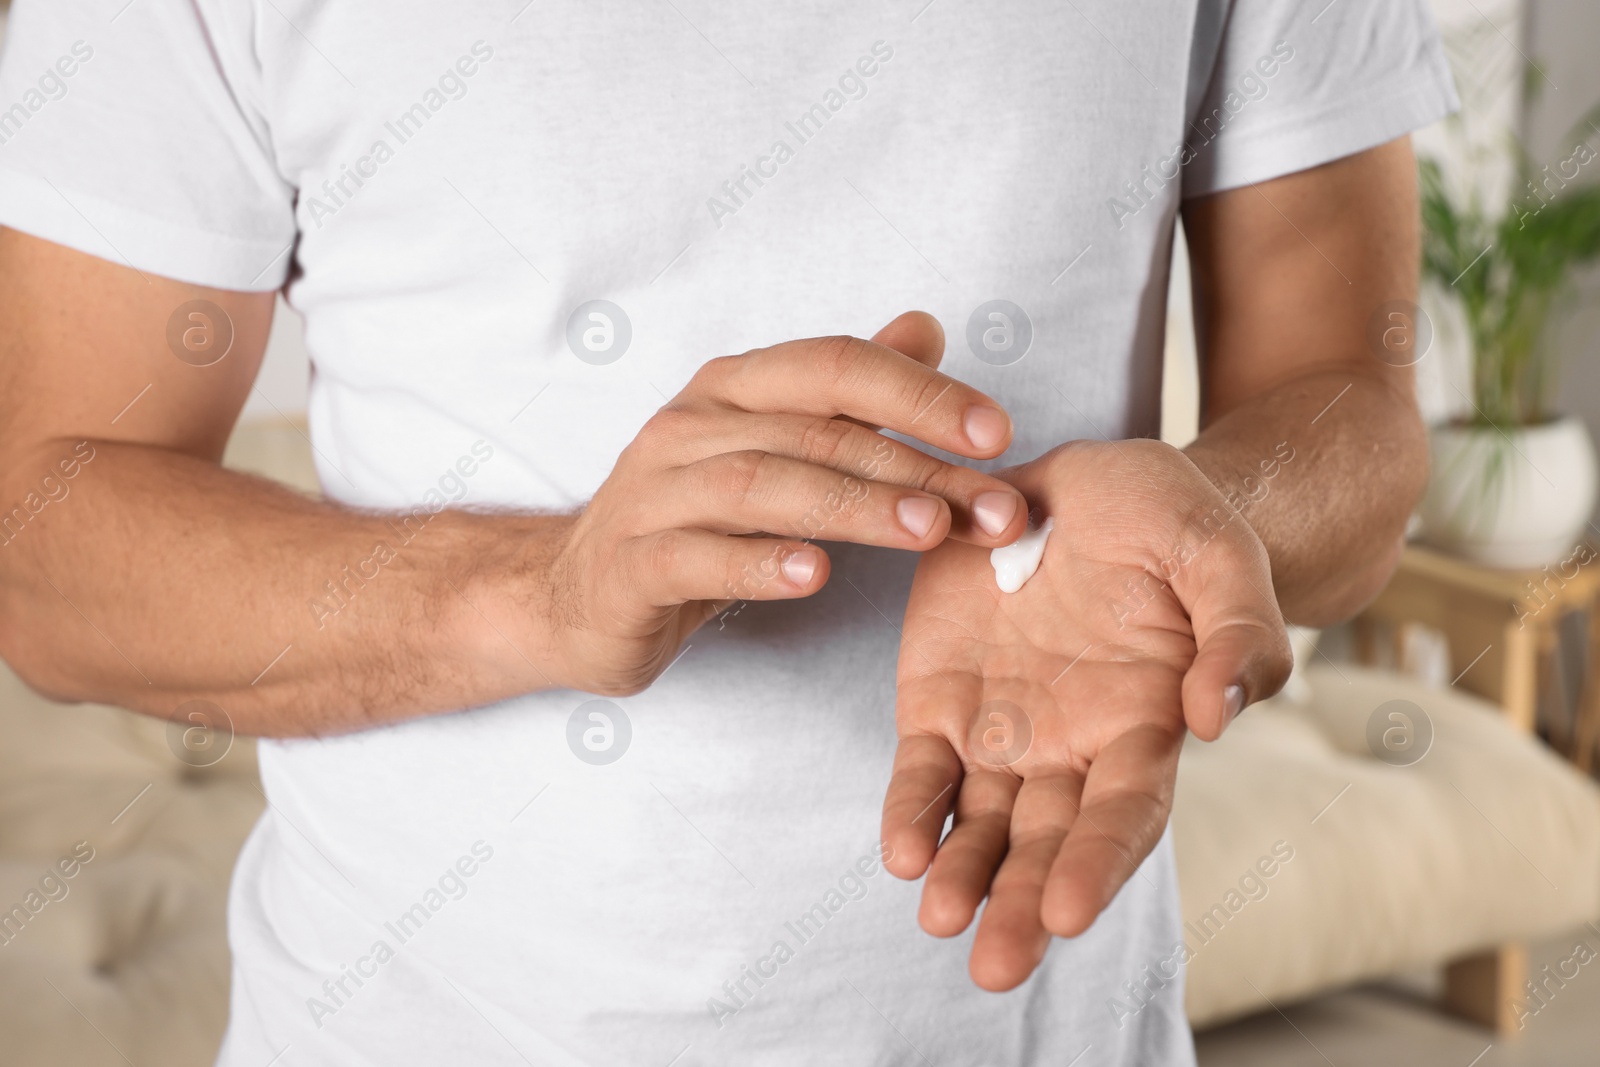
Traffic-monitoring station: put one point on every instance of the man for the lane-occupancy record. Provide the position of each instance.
(670, 584)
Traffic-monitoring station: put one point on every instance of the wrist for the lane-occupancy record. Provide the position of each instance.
(498, 601)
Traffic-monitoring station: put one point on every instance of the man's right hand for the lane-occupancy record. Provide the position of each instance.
(217, 584)
(716, 499)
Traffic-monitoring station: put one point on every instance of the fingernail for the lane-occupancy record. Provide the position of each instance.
(1232, 703)
(994, 511)
(986, 427)
(917, 514)
(799, 567)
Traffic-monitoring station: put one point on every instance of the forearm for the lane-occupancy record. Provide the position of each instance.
(160, 578)
(1326, 469)
(1288, 279)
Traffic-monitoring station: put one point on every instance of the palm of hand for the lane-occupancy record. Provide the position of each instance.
(1055, 671)
(1050, 718)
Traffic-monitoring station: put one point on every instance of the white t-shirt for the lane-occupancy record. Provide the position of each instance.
(445, 188)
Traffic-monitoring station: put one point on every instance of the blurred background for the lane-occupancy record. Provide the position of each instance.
(1395, 861)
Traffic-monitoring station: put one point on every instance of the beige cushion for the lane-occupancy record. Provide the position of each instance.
(66, 772)
(136, 947)
(1488, 837)
(135, 940)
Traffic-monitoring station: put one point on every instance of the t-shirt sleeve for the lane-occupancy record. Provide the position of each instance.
(132, 135)
(1293, 84)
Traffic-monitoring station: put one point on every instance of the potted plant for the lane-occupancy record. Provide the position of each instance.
(1513, 482)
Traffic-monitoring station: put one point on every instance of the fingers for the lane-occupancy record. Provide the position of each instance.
(916, 334)
(966, 861)
(984, 509)
(676, 566)
(1050, 851)
(1126, 800)
(921, 792)
(1011, 937)
(815, 401)
(1242, 646)
(831, 376)
(758, 492)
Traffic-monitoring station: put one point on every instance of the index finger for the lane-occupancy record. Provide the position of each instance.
(833, 376)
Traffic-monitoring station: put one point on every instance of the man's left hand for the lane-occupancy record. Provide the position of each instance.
(1050, 720)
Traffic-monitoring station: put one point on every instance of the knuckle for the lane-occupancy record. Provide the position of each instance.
(939, 478)
(839, 358)
(920, 392)
(668, 426)
(713, 374)
(823, 441)
(663, 554)
(733, 477)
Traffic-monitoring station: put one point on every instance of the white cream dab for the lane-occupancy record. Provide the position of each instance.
(1015, 563)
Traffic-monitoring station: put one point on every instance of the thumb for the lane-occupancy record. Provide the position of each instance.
(1243, 650)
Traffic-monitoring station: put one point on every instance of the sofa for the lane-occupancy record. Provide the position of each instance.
(1306, 861)
(1483, 839)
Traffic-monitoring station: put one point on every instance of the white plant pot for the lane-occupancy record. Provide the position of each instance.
(1521, 499)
